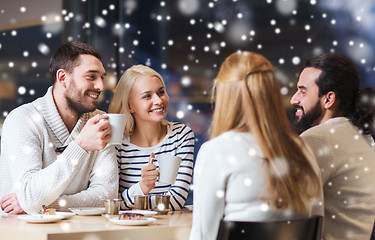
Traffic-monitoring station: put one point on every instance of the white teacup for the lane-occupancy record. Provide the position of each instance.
(168, 168)
(117, 122)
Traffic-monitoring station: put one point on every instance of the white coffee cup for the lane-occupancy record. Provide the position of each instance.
(168, 168)
(117, 122)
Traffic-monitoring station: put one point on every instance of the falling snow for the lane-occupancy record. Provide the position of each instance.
(220, 194)
(197, 37)
(62, 202)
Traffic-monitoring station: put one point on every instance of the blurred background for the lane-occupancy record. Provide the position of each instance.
(184, 40)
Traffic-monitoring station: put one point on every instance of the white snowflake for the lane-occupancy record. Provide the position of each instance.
(220, 194)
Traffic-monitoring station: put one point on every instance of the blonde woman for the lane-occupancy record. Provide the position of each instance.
(141, 95)
(254, 168)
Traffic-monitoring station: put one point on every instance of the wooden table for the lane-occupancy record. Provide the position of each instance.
(174, 225)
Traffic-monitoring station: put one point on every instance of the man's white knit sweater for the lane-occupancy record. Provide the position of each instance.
(32, 166)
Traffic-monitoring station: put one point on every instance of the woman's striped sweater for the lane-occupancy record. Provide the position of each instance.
(179, 141)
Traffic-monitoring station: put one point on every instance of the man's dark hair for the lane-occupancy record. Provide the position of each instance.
(340, 75)
(67, 57)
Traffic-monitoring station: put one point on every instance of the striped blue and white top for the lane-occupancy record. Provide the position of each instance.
(179, 141)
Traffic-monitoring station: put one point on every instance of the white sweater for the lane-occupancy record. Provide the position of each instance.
(31, 167)
(347, 162)
(230, 182)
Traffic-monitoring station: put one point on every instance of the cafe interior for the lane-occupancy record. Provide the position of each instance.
(185, 41)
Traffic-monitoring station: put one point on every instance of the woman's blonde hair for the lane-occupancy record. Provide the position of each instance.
(248, 99)
(120, 100)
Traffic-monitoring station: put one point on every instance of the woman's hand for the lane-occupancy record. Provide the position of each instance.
(149, 175)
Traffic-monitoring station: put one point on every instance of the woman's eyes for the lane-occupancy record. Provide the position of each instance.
(148, 96)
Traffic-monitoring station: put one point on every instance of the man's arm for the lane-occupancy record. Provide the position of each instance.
(35, 180)
(22, 150)
(104, 182)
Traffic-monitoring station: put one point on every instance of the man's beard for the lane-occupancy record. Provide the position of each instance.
(308, 119)
(78, 107)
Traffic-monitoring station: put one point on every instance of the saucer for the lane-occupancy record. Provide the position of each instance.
(161, 212)
(88, 211)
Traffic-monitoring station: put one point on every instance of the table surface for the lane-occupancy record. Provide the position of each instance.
(174, 225)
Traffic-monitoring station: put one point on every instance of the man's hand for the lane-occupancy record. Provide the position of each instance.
(10, 204)
(96, 134)
(149, 175)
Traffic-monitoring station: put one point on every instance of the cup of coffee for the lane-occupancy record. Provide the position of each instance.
(112, 206)
(117, 122)
(168, 168)
(141, 202)
(162, 203)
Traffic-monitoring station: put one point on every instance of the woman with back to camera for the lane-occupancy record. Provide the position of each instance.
(254, 168)
(142, 96)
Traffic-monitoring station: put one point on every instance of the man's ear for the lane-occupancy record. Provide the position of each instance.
(329, 100)
(61, 76)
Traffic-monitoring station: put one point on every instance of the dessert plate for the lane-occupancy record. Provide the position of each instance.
(146, 221)
(66, 215)
(40, 218)
(145, 213)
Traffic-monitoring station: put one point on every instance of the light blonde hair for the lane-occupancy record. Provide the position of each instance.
(248, 99)
(120, 100)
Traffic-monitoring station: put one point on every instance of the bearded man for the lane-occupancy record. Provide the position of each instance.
(54, 149)
(336, 119)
